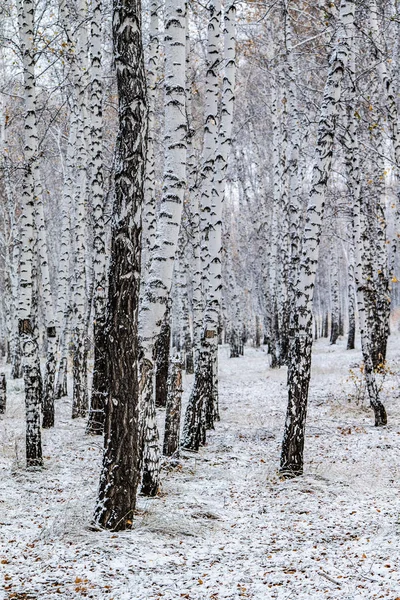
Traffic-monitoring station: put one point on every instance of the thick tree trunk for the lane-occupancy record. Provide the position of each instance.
(121, 461)
(48, 391)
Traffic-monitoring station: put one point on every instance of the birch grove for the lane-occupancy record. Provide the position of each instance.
(186, 187)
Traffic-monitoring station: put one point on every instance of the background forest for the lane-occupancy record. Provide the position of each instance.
(198, 203)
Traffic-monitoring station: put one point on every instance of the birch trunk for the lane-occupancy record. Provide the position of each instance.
(351, 298)
(206, 383)
(100, 379)
(121, 461)
(300, 358)
(173, 410)
(159, 278)
(365, 333)
(153, 75)
(27, 333)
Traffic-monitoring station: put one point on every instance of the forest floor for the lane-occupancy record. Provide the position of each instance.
(225, 525)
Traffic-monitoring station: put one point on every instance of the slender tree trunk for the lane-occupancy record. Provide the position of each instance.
(173, 412)
(160, 272)
(26, 310)
(351, 300)
(95, 423)
(162, 347)
(3, 393)
(334, 281)
(300, 358)
(354, 173)
(63, 310)
(121, 461)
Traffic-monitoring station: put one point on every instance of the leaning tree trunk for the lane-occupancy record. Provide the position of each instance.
(100, 380)
(160, 271)
(26, 311)
(121, 461)
(300, 356)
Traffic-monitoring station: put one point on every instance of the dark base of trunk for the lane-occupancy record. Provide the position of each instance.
(3, 393)
(162, 362)
(173, 412)
(80, 400)
(351, 337)
(95, 424)
(380, 415)
(292, 456)
(48, 396)
(149, 487)
(150, 440)
(189, 362)
(334, 333)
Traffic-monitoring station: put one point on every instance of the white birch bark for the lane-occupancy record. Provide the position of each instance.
(27, 333)
(360, 282)
(385, 74)
(64, 275)
(79, 71)
(99, 382)
(224, 142)
(51, 334)
(300, 355)
(12, 248)
(201, 403)
(153, 76)
(159, 278)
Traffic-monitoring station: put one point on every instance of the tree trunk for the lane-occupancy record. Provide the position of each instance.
(26, 309)
(300, 357)
(159, 273)
(173, 412)
(95, 423)
(162, 347)
(3, 393)
(121, 461)
(351, 300)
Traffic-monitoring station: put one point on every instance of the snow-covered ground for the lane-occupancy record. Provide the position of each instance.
(225, 525)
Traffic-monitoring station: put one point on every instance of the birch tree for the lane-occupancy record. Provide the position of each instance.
(26, 309)
(300, 354)
(121, 461)
(202, 396)
(99, 382)
(158, 279)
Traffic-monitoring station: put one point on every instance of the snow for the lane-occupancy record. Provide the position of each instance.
(225, 525)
